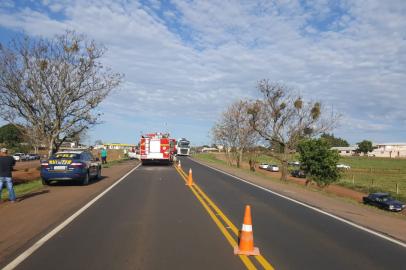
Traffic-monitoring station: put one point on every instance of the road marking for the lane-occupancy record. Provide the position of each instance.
(206, 202)
(226, 234)
(57, 229)
(360, 227)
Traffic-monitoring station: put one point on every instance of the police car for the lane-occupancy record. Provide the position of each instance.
(79, 166)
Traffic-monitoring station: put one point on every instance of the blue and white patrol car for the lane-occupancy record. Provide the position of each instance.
(71, 165)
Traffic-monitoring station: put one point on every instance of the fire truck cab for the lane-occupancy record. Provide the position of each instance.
(157, 148)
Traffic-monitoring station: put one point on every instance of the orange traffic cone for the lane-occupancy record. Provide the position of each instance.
(246, 243)
(179, 165)
(189, 179)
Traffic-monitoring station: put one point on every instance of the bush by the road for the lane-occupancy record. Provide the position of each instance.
(318, 161)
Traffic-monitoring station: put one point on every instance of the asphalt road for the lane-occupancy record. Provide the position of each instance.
(151, 220)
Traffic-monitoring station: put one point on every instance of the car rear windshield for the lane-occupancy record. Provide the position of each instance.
(66, 156)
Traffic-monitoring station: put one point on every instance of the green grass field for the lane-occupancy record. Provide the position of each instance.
(367, 174)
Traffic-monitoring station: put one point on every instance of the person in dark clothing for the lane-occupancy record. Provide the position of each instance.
(6, 167)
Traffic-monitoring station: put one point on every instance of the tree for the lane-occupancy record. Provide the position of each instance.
(334, 141)
(54, 86)
(283, 119)
(10, 135)
(364, 147)
(98, 142)
(318, 161)
(234, 131)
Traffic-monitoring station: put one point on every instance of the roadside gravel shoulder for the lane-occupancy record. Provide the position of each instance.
(23, 223)
(391, 224)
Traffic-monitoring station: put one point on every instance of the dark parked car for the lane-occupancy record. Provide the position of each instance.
(298, 174)
(73, 165)
(384, 201)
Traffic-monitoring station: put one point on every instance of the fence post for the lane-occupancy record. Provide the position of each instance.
(353, 180)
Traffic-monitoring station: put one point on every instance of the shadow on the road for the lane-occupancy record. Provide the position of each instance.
(74, 183)
(156, 164)
(33, 194)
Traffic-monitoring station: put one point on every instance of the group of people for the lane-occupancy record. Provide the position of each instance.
(6, 167)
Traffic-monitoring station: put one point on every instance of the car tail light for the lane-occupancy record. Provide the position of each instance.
(77, 164)
(44, 165)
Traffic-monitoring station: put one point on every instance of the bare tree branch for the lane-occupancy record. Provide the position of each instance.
(283, 119)
(54, 85)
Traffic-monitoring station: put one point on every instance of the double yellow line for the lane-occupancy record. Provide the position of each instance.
(216, 214)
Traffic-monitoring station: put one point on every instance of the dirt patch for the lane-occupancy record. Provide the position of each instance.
(23, 223)
(393, 224)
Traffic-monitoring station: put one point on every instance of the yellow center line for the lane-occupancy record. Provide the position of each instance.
(226, 234)
(265, 264)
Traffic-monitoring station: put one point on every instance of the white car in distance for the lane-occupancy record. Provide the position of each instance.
(273, 168)
(20, 156)
(343, 166)
(263, 166)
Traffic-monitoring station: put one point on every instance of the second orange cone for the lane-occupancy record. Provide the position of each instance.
(190, 178)
(246, 243)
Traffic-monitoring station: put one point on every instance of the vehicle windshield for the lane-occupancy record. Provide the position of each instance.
(66, 156)
(386, 198)
(183, 144)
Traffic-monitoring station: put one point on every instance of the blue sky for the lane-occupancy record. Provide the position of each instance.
(186, 61)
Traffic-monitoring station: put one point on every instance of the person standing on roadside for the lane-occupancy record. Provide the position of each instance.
(104, 155)
(6, 167)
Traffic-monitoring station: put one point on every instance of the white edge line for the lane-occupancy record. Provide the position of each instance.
(57, 229)
(400, 243)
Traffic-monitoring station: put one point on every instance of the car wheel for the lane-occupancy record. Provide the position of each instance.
(45, 182)
(85, 180)
(98, 176)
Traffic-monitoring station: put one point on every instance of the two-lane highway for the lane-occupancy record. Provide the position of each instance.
(151, 220)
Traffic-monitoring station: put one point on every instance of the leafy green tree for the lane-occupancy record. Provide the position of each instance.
(334, 141)
(318, 161)
(364, 147)
(10, 135)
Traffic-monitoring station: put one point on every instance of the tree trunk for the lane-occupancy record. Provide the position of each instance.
(284, 165)
(228, 157)
(239, 157)
(284, 170)
(51, 146)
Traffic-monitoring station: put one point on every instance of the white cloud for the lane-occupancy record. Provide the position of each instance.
(195, 59)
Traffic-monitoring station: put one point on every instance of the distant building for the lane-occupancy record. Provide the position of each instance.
(209, 149)
(125, 146)
(346, 151)
(67, 145)
(389, 150)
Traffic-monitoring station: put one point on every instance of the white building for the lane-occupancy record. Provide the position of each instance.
(116, 146)
(346, 151)
(390, 150)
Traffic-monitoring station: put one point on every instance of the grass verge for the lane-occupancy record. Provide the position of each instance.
(114, 162)
(22, 189)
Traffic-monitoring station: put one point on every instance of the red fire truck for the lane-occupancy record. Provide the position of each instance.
(157, 147)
